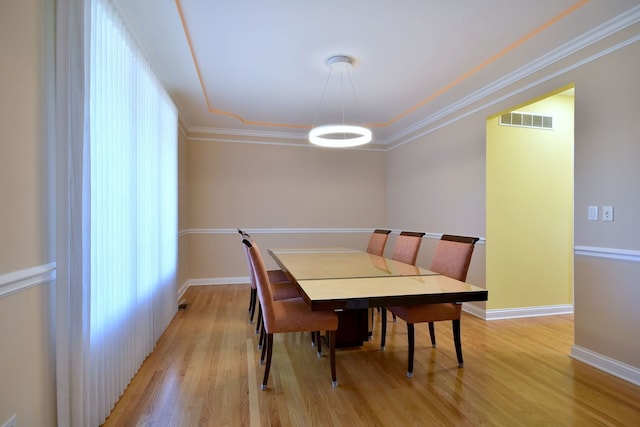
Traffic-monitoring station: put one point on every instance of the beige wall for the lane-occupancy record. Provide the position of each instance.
(183, 210)
(279, 188)
(27, 371)
(429, 179)
(435, 184)
(606, 161)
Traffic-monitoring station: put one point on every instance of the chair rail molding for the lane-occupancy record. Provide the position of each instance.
(610, 253)
(275, 230)
(19, 280)
(428, 235)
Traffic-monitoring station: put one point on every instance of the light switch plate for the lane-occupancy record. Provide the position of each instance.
(592, 214)
(607, 213)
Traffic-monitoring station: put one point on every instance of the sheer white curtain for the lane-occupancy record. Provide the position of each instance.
(121, 214)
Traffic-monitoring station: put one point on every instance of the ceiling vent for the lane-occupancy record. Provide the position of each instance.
(527, 120)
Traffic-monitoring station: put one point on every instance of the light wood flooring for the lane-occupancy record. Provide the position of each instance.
(205, 372)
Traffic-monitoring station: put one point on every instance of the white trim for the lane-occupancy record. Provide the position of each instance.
(275, 230)
(489, 90)
(182, 289)
(474, 310)
(590, 37)
(217, 281)
(181, 233)
(371, 147)
(606, 364)
(611, 253)
(406, 135)
(17, 281)
(515, 313)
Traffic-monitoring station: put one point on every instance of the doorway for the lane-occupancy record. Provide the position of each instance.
(529, 206)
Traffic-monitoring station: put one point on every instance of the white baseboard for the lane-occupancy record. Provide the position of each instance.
(212, 282)
(618, 369)
(514, 313)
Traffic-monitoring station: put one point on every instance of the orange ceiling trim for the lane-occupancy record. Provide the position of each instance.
(489, 61)
(204, 92)
(193, 54)
(420, 104)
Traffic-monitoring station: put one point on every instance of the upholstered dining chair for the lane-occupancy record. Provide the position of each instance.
(451, 258)
(288, 315)
(407, 246)
(378, 241)
(406, 250)
(283, 288)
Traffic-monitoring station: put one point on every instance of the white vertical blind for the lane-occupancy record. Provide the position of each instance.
(132, 209)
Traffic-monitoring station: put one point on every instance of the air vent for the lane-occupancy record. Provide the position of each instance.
(526, 120)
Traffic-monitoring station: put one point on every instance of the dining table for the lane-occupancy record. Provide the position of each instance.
(353, 282)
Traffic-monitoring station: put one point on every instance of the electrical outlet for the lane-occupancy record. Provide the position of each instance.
(11, 422)
(607, 213)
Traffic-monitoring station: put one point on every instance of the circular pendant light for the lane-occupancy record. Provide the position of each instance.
(340, 135)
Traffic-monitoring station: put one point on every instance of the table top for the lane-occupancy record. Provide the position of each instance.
(340, 263)
(342, 278)
(329, 294)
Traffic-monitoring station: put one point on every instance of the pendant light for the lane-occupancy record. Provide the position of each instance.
(339, 135)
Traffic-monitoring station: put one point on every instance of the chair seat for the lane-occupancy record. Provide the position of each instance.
(284, 290)
(293, 315)
(427, 312)
(278, 276)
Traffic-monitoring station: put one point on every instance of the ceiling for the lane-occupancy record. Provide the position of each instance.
(245, 70)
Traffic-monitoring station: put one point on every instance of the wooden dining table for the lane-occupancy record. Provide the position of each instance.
(352, 282)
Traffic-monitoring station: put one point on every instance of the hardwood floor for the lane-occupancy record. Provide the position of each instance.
(205, 372)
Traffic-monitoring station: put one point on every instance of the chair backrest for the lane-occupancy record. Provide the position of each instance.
(252, 276)
(407, 246)
(378, 241)
(265, 294)
(453, 256)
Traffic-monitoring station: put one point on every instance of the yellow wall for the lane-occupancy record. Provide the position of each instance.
(530, 209)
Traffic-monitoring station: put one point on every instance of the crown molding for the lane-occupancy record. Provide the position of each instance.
(589, 38)
(422, 127)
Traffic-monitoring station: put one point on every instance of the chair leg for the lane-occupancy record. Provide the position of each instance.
(318, 343)
(313, 339)
(432, 333)
(259, 321)
(262, 344)
(383, 331)
(267, 366)
(456, 340)
(411, 338)
(332, 357)
(252, 304)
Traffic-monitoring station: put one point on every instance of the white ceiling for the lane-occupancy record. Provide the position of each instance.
(256, 69)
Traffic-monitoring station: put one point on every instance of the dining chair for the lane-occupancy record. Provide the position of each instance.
(378, 241)
(407, 246)
(451, 258)
(283, 288)
(406, 250)
(289, 315)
